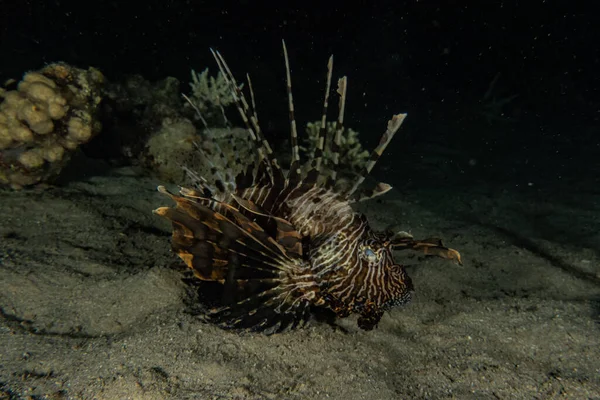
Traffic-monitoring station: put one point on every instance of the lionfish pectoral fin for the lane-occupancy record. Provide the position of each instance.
(190, 192)
(249, 205)
(369, 194)
(430, 246)
(284, 233)
(277, 308)
(191, 242)
(211, 241)
(229, 248)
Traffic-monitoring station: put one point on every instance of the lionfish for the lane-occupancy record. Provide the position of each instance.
(281, 242)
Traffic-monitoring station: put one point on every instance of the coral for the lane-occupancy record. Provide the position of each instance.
(226, 153)
(150, 125)
(213, 154)
(210, 95)
(135, 109)
(50, 114)
(170, 148)
(202, 142)
(353, 157)
(146, 102)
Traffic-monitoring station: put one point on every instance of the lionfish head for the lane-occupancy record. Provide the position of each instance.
(391, 285)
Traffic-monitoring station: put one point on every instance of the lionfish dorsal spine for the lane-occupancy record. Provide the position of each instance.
(314, 165)
(320, 145)
(295, 173)
(392, 127)
(252, 99)
(339, 129)
(274, 170)
(267, 160)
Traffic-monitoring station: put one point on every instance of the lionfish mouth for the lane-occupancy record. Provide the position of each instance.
(398, 301)
(281, 243)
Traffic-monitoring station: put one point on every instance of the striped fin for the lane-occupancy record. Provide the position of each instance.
(254, 112)
(284, 232)
(339, 129)
(226, 221)
(380, 189)
(196, 244)
(431, 246)
(220, 244)
(267, 159)
(315, 167)
(392, 127)
(294, 174)
(279, 307)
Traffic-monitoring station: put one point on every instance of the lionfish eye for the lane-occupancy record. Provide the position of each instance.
(370, 254)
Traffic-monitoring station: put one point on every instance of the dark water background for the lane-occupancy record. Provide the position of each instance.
(434, 60)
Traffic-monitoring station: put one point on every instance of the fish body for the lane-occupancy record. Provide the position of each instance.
(281, 243)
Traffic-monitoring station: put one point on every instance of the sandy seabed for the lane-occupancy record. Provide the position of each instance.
(94, 304)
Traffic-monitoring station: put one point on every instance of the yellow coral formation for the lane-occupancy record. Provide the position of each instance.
(49, 115)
